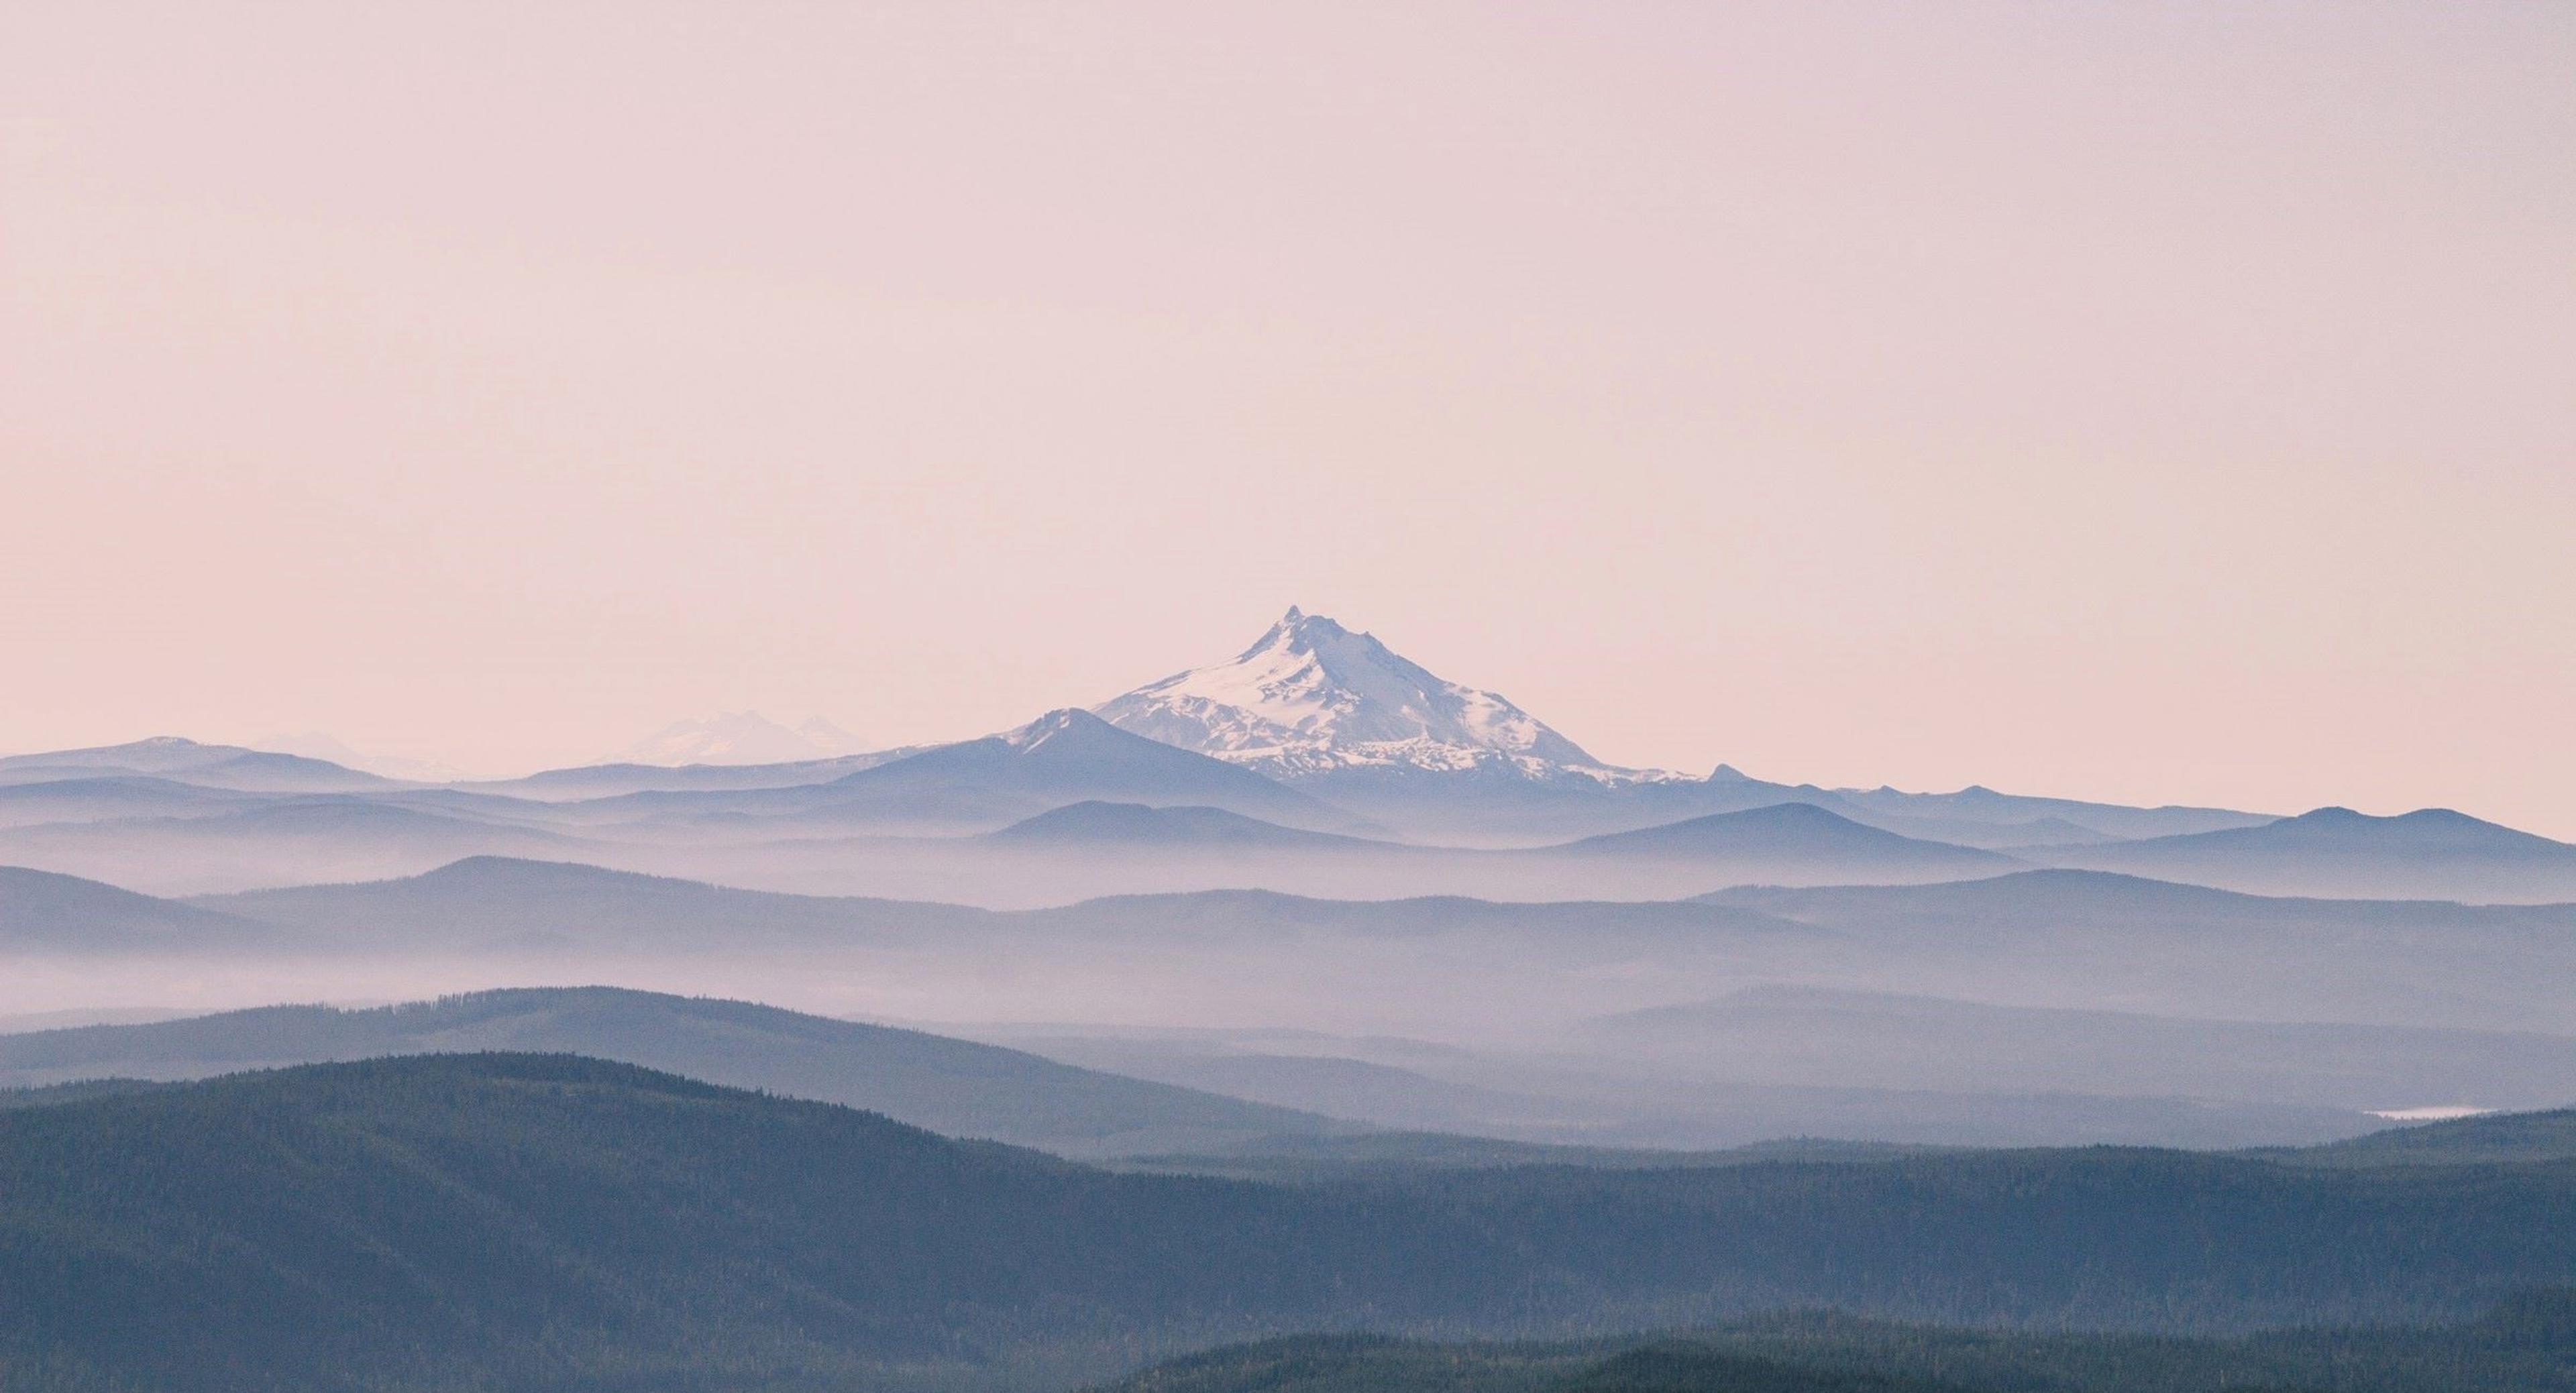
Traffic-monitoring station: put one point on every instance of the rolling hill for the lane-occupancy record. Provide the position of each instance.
(2432, 853)
(950, 1086)
(1459, 968)
(2527, 1345)
(42, 913)
(2119, 942)
(2504, 1138)
(103, 796)
(1143, 826)
(1794, 840)
(490, 903)
(187, 761)
(1815, 1036)
(279, 842)
(545, 1221)
(1066, 757)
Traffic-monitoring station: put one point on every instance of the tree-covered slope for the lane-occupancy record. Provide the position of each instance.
(1375, 1364)
(2527, 1345)
(549, 1222)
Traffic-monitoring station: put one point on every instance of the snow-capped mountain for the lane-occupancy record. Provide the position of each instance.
(1312, 697)
(740, 737)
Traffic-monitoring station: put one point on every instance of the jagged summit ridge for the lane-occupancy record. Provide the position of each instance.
(1311, 696)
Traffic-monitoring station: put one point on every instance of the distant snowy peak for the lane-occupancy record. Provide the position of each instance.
(740, 737)
(1311, 697)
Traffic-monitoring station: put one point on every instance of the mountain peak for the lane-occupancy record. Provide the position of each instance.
(1060, 722)
(1311, 696)
(1300, 631)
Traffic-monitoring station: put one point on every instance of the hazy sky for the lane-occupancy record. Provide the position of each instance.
(2154, 402)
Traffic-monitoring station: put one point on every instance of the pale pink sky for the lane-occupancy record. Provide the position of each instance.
(2153, 402)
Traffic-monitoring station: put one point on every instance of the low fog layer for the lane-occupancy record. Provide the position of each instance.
(1070, 808)
(1321, 879)
(2033, 1007)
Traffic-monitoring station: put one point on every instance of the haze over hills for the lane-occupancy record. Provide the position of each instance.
(1100, 848)
(2066, 938)
(1315, 917)
(491, 903)
(330, 749)
(2191, 950)
(2432, 853)
(960, 789)
(1800, 838)
(740, 737)
(1636, 1106)
(1289, 1092)
(44, 913)
(1281, 855)
(212, 766)
(1096, 822)
(282, 841)
(955, 1087)
(600, 781)
(1133, 848)
(1067, 757)
(85, 798)
(2422, 1005)
(1525, 976)
(1314, 728)
(2029, 821)
(1816, 1036)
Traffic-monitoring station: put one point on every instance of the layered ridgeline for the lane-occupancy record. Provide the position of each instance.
(523, 1222)
(956, 1087)
(187, 762)
(2038, 1008)
(1272, 1102)
(2431, 853)
(1341, 715)
(1318, 761)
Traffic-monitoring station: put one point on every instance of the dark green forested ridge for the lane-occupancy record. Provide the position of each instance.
(2528, 1345)
(553, 1222)
(2500, 1138)
(79, 1091)
(1375, 1364)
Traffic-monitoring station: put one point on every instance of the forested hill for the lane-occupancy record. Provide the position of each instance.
(2526, 1346)
(550, 1222)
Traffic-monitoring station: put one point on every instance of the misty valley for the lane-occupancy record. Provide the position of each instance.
(1301, 1022)
(652, 738)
